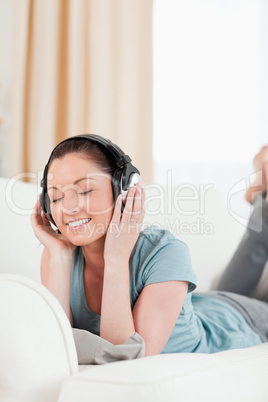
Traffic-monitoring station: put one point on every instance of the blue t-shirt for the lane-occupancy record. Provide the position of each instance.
(205, 325)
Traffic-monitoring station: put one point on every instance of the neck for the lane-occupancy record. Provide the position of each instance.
(94, 259)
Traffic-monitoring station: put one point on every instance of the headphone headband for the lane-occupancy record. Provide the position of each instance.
(119, 156)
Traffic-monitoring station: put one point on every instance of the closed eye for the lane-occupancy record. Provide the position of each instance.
(56, 200)
(85, 192)
(82, 193)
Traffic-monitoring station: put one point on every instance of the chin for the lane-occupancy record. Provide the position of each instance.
(85, 239)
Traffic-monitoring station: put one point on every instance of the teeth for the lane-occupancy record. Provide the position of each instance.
(78, 223)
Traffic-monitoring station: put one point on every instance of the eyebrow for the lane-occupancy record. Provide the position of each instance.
(75, 182)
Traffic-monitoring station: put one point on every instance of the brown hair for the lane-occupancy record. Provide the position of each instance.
(91, 150)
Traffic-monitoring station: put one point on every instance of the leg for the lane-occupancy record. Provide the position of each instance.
(255, 312)
(245, 268)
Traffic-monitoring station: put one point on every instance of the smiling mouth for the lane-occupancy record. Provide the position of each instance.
(78, 223)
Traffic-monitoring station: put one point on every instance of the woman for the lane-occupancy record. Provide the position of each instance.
(113, 279)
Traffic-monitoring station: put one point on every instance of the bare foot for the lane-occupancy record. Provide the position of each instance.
(260, 183)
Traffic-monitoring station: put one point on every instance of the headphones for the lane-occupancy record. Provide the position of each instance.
(124, 176)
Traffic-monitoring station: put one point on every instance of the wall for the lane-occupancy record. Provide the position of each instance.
(6, 26)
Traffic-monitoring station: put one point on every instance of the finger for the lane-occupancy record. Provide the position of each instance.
(45, 220)
(117, 210)
(129, 204)
(137, 201)
(36, 215)
(142, 213)
(135, 219)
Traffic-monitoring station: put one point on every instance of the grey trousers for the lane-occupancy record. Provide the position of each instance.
(241, 278)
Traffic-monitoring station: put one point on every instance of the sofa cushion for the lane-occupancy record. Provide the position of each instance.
(235, 376)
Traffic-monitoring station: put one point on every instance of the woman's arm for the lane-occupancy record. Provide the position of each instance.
(156, 312)
(158, 306)
(154, 315)
(56, 277)
(117, 323)
(56, 262)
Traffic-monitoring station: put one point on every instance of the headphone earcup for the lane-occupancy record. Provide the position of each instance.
(123, 179)
(116, 183)
(42, 200)
(45, 205)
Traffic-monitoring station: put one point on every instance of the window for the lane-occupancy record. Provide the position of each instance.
(210, 88)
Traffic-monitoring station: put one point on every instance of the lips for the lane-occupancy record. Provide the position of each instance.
(78, 222)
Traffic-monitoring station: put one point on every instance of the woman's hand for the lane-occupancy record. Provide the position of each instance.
(125, 227)
(53, 241)
(260, 183)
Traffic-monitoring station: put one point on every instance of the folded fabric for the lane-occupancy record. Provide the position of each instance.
(91, 349)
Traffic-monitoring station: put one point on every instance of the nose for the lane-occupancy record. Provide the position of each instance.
(71, 202)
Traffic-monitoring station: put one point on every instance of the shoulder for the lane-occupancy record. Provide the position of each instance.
(155, 235)
(159, 256)
(155, 239)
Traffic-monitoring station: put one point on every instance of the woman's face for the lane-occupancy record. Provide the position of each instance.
(81, 198)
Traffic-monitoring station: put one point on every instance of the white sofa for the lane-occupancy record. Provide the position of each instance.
(38, 360)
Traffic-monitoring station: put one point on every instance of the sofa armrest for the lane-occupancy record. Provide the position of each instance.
(36, 342)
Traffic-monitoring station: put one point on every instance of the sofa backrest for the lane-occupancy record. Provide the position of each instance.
(202, 219)
(20, 250)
